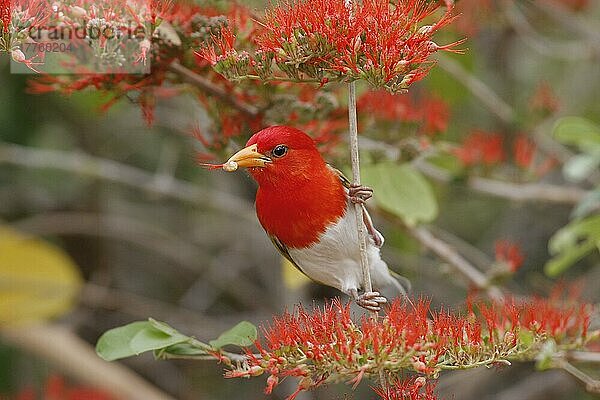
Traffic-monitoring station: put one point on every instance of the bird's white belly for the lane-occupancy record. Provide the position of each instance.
(335, 259)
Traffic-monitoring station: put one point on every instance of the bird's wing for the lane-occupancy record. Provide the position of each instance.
(374, 233)
(282, 248)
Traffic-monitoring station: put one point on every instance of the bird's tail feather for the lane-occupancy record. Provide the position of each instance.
(401, 283)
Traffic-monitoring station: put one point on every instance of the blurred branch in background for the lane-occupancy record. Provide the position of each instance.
(457, 261)
(543, 192)
(94, 167)
(478, 88)
(75, 357)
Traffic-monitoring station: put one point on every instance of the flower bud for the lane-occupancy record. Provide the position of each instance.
(18, 55)
(420, 382)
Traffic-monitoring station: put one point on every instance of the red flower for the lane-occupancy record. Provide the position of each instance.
(327, 346)
(431, 113)
(409, 389)
(380, 41)
(523, 151)
(5, 11)
(544, 99)
(510, 254)
(481, 148)
(56, 389)
(388, 107)
(435, 115)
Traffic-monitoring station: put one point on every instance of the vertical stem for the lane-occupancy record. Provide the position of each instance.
(358, 208)
(360, 226)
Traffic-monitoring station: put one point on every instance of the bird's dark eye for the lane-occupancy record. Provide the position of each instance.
(280, 150)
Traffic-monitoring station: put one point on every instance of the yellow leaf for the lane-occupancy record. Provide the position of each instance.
(37, 280)
(292, 278)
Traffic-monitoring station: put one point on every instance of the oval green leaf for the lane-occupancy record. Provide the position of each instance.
(116, 343)
(243, 334)
(402, 191)
(577, 131)
(150, 338)
(135, 338)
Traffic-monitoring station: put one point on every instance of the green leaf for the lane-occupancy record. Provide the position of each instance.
(135, 338)
(115, 343)
(151, 338)
(577, 131)
(402, 191)
(571, 243)
(574, 232)
(243, 334)
(184, 349)
(567, 259)
(163, 327)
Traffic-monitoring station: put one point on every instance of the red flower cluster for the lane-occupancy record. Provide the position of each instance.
(510, 254)
(481, 148)
(327, 346)
(487, 148)
(178, 27)
(383, 42)
(523, 151)
(544, 99)
(416, 388)
(56, 389)
(430, 112)
(5, 10)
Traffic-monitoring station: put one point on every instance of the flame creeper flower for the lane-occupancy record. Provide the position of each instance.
(510, 254)
(409, 389)
(327, 346)
(385, 43)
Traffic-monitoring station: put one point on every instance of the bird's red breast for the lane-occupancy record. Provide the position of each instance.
(298, 195)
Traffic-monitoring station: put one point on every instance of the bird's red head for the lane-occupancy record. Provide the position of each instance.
(298, 194)
(280, 154)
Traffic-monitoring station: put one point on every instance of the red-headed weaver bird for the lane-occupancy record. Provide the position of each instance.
(306, 208)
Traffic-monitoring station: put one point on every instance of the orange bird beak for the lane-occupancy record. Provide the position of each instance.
(249, 157)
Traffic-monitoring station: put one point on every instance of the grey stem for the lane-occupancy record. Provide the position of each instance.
(362, 235)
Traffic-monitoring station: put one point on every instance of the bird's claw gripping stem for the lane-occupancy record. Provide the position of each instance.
(371, 301)
(358, 194)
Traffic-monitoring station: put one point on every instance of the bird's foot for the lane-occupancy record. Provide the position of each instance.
(371, 301)
(358, 194)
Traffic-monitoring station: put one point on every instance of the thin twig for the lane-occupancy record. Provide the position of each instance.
(591, 385)
(479, 89)
(118, 227)
(512, 191)
(113, 171)
(576, 23)
(209, 87)
(100, 297)
(78, 359)
(465, 268)
(569, 51)
(583, 356)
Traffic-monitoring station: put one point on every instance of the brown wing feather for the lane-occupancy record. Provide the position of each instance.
(282, 248)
